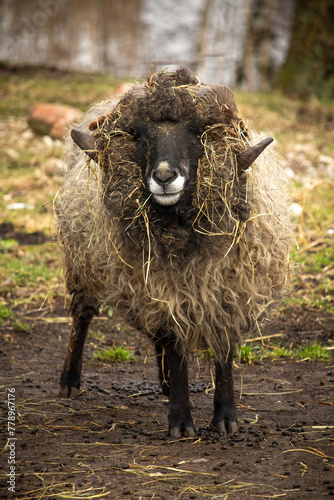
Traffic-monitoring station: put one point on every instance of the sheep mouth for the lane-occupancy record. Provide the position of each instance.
(167, 199)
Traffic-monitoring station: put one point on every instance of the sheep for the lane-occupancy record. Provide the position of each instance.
(167, 219)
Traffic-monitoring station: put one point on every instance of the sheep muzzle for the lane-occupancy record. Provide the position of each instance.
(166, 184)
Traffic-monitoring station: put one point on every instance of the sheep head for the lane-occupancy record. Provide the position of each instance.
(153, 141)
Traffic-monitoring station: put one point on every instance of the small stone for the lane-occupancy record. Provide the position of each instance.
(52, 119)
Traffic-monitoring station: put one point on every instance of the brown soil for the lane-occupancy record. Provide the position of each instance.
(111, 441)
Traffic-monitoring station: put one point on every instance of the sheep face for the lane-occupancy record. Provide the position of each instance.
(168, 155)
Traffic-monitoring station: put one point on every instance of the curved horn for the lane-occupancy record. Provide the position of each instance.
(246, 158)
(222, 93)
(85, 142)
(224, 96)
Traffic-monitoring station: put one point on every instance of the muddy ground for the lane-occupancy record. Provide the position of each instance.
(111, 441)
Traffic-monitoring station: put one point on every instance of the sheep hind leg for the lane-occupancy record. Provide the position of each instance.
(225, 415)
(179, 416)
(82, 311)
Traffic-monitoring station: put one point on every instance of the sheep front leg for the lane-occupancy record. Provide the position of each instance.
(225, 415)
(82, 314)
(179, 416)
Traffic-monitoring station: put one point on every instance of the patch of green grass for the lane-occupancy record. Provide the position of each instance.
(20, 326)
(314, 352)
(113, 355)
(314, 261)
(314, 290)
(248, 353)
(7, 245)
(5, 312)
(280, 352)
(29, 265)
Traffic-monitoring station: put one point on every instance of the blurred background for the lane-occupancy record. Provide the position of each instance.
(249, 44)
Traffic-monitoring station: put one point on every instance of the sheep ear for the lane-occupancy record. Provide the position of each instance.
(246, 158)
(85, 142)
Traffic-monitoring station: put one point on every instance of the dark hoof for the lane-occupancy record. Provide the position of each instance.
(228, 428)
(69, 384)
(176, 433)
(69, 392)
(181, 423)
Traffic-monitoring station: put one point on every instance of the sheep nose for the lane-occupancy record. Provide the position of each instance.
(164, 174)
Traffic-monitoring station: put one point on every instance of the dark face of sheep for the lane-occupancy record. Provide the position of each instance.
(168, 155)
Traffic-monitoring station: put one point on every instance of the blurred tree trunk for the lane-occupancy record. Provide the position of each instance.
(256, 63)
(268, 29)
(245, 42)
(309, 68)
